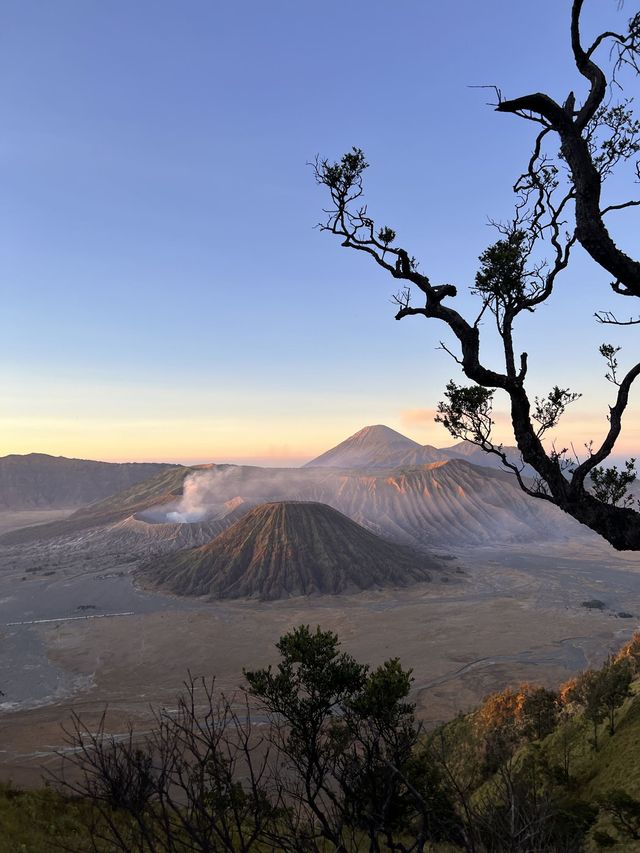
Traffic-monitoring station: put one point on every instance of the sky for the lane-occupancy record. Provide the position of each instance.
(165, 295)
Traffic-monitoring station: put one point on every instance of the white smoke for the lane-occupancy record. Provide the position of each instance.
(461, 504)
(213, 493)
(186, 517)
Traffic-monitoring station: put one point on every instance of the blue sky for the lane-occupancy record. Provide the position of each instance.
(165, 294)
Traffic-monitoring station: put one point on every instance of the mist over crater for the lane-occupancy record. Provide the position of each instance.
(190, 510)
(441, 503)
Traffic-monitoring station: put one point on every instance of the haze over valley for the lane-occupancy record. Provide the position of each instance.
(117, 578)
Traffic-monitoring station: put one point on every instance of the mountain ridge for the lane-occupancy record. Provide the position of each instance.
(442, 504)
(41, 481)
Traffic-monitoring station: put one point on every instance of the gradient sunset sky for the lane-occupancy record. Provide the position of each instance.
(165, 294)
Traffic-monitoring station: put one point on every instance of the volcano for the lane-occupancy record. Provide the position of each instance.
(380, 447)
(288, 548)
(376, 446)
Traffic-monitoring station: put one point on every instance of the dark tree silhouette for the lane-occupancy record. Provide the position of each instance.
(351, 750)
(199, 781)
(558, 204)
(324, 753)
(334, 760)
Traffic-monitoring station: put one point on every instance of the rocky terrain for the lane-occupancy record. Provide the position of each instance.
(383, 480)
(288, 548)
(374, 447)
(425, 506)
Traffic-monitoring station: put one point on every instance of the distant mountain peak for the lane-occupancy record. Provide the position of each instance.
(380, 447)
(380, 432)
(373, 446)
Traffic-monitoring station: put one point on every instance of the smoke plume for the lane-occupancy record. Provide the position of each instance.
(215, 492)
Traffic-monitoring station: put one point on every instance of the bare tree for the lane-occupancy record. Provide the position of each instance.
(202, 779)
(518, 810)
(506, 796)
(518, 273)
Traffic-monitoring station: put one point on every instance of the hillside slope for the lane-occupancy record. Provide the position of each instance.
(161, 489)
(441, 504)
(39, 481)
(616, 763)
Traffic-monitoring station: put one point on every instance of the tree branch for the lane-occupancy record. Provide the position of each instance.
(573, 131)
(615, 426)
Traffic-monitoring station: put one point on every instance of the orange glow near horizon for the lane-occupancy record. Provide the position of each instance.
(199, 441)
(187, 442)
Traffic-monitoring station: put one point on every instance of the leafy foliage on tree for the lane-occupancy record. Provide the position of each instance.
(507, 719)
(601, 692)
(338, 765)
(539, 712)
(631, 653)
(610, 485)
(351, 742)
(559, 204)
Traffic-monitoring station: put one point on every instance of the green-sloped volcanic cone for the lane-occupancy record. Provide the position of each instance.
(288, 548)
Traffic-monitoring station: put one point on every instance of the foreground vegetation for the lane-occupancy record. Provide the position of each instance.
(43, 821)
(322, 753)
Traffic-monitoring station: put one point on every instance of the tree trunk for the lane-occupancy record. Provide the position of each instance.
(591, 231)
(619, 525)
